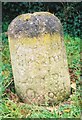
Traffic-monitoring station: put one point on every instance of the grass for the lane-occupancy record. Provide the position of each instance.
(11, 107)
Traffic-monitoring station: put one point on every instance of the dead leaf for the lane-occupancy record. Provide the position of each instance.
(51, 109)
(25, 112)
(73, 85)
(12, 96)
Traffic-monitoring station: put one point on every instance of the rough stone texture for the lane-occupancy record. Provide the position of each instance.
(38, 58)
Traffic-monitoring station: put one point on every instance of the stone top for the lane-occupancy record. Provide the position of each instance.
(32, 25)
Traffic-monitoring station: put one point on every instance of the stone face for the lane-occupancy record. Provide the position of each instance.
(38, 58)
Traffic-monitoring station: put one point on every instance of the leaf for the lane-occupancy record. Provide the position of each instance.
(67, 110)
(51, 109)
(12, 96)
(73, 85)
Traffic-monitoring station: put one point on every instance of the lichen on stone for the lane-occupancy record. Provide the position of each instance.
(32, 25)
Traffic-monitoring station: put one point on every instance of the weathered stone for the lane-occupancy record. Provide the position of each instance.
(38, 58)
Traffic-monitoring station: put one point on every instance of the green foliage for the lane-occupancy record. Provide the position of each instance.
(6, 68)
(73, 51)
(11, 109)
(73, 55)
(70, 17)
